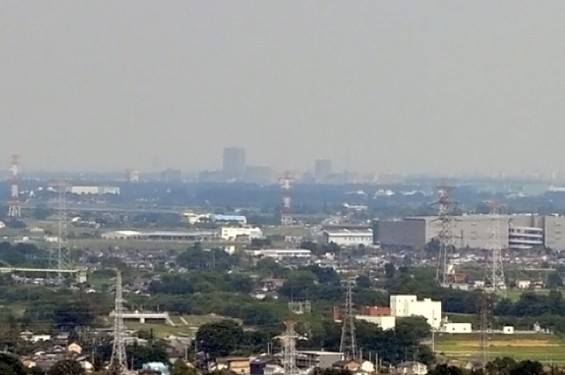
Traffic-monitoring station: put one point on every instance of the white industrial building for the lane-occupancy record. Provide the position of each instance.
(238, 233)
(348, 236)
(524, 238)
(194, 236)
(280, 254)
(195, 218)
(94, 190)
(408, 305)
(518, 231)
(384, 322)
(456, 328)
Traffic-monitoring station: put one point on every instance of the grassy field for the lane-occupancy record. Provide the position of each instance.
(184, 325)
(514, 294)
(462, 348)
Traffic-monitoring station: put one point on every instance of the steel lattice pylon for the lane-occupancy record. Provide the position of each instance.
(445, 235)
(495, 273)
(118, 361)
(348, 344)
(14, 209)
(62, 259)
(289, 348)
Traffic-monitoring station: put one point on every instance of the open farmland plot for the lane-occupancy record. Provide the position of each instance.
(543, 348)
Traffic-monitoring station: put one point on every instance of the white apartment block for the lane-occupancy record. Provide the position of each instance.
(348, 237)
(235, 233)
(402, 306)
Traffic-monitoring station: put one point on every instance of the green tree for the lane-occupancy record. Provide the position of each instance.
(141, 354)
(389, 270)
(444, 369)
(10, 365)
(300, 284)
(363, 282)
(180, 368)
(66, 367)
(554, 281)
(42, 212)
(527, 368)
(219, 339)
(415, 329)
(500, 366)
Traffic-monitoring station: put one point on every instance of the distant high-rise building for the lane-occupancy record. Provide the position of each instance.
(322, 169)
(258, 174)
(171, 175)
(234, 162)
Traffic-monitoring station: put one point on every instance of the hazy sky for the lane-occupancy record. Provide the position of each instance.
(405, 86)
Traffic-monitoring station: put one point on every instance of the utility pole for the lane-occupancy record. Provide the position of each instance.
(484, 326)
(118, 361)
(348, 344)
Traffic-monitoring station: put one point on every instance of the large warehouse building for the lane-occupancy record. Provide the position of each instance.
(520, 231)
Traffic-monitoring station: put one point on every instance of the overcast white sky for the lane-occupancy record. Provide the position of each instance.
(405, 86)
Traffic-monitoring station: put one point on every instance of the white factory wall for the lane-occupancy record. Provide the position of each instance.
(385, 322)
(408, 305)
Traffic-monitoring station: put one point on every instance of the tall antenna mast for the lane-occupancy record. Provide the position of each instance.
(347, 344)
(289, 348)
(118, 361)
(15, 209)
(445, 235)
(495, 274)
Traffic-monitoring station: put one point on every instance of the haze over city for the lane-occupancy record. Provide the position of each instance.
(409, 87)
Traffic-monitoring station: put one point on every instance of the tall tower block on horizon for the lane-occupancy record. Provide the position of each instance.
(234, 164)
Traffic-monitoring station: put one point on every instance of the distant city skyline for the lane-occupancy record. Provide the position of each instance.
(404, 87)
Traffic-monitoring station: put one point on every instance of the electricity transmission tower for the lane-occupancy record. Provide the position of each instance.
(495, 273)
(289, 348)
(118, 361)
(445, 235)
(62, 258)
(348, 344)
(15, 209)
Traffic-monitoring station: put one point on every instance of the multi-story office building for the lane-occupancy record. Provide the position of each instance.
(322, 170)
(521, 231)
(171, 175)
(234, 162)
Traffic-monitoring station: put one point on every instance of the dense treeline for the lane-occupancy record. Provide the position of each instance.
(393, 346)
(24, 255)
